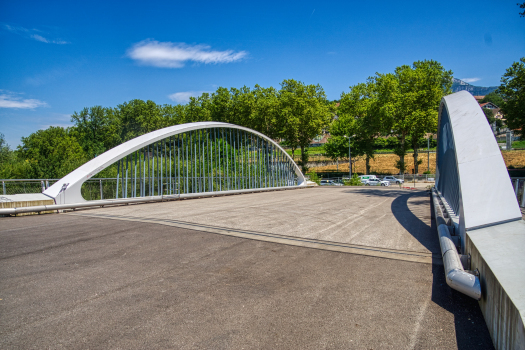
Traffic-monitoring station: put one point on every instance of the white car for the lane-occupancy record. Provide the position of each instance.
(377, 182)
(393, 179)
(365, 178)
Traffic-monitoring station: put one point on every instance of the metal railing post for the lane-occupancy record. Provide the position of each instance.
(523, 195)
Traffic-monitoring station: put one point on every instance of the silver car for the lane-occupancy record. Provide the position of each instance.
(393, 179)
(377, 182)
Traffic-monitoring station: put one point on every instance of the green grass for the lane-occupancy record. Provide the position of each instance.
(311, 150)
(321, 151)
(518, 144)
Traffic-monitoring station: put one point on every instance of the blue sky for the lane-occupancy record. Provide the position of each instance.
(57, 57)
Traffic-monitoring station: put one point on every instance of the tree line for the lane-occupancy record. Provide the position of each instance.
(393, 110)
(294, 115)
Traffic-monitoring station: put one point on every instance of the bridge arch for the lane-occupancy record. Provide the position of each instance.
(471, 175)
(203, 157)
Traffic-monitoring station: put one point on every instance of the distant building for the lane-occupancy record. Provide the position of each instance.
(479, 98)
(320, 140)
(495, 109)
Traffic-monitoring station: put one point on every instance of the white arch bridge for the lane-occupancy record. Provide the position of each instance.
(187, 160)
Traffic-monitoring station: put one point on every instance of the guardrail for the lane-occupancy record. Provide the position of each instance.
(94, 186)
(20, 186)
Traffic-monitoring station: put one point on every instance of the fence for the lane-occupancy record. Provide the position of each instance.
(92, 189)
(105, 188)
(20, 186)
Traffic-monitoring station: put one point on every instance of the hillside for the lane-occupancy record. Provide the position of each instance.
(385, 163)
(460, 85)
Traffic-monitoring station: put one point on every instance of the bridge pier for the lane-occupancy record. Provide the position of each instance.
(480, 201)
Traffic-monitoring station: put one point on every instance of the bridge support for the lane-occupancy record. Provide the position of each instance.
(480, 204)
(205, 157)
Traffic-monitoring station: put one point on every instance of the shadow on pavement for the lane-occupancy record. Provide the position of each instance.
(471, 329)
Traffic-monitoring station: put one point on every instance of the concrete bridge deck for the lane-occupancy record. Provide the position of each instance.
(359, 268)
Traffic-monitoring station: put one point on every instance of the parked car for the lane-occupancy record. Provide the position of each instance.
(393, 179)
(377, 182)
(330, 183)
(366, 178)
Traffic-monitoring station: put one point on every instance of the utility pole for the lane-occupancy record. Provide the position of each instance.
(428, 154)
(349, 158)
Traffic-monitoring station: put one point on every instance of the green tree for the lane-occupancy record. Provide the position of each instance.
(336, 148)
(95, 130)
(198, 109)
(266, 111)
(241, 107)
(50, 153)
(11, 167)
(173, 115)
(512, 89)
(137, 117)
(220, 105)
(304, 113)
(489, 115)
(522, 6)
(359, 116)
(5, 151)
(409, 101)
(493, 97)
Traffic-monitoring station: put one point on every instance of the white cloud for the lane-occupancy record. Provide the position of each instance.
(39, 38)
(10, 101)
(184, 97)
(174, 55)
(30, 34)
(470, 80)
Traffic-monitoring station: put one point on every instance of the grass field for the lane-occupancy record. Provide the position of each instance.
(311, 151)
(515, 159)
(382, 164)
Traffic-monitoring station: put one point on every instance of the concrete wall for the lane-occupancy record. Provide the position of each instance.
(497, 252)
(25, 200)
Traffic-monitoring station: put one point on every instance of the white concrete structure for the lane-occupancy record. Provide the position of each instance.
(471, 174)
(270, 165)
(481, 207)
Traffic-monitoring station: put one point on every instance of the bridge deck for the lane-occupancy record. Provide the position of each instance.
(396, 223)
(79, 281)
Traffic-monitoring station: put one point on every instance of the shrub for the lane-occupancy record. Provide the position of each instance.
(354, 181)
(313, 177)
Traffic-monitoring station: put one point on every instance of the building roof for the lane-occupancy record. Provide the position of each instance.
(488, 105)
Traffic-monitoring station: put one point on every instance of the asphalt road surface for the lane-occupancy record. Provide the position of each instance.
(90, 282)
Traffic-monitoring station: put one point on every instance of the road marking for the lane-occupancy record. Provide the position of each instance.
(422, 311)
(395, 254)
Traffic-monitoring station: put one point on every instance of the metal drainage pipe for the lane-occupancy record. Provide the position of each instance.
(109, 202)
(456, 277)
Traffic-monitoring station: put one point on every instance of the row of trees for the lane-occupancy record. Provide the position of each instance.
(404, 104)
(393, 110)
(295, 114)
